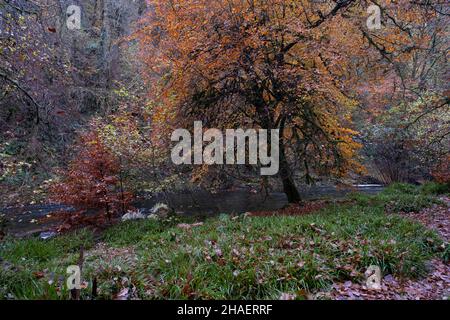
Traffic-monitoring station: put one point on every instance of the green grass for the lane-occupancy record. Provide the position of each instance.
(400, 197)
(433, 188)
(226, 258)
(22, 259)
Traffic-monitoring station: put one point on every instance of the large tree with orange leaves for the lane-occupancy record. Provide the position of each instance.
(272, 64)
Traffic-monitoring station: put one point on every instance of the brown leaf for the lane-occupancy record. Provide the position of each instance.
(38, 274)
(122, 295)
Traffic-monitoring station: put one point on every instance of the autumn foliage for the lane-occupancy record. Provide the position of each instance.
(303, 67)
(93, 181)
(258, 64)
(441, 173)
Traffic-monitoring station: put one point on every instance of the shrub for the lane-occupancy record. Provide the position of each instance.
(431, 188)
(400, 188)
(93, 180)
(442, 171)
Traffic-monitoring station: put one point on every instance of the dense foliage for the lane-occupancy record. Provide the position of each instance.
(348, 100)
(94, 180)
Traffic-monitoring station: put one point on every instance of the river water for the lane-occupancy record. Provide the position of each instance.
(25, 220)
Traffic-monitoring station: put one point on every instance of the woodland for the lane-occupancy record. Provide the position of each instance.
(357, 89)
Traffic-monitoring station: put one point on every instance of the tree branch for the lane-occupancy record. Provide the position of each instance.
(25, 92)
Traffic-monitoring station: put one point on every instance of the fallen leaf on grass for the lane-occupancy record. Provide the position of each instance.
(287, 296)
(38, 274)
(186, 226)
(122, 295)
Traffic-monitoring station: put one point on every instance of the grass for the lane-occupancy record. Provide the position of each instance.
(22, 261)
(434, 188)
(227, 257)
(401, 197)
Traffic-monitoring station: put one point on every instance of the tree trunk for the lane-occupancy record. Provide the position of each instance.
(289, 186)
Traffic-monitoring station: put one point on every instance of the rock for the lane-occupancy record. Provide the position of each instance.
(161, 210)
(47, 235)
(133, 215)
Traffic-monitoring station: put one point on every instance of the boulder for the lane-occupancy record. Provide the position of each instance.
(161, 210)
(133, 215)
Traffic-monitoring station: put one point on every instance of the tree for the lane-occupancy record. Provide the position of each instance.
(54, 79)
(441, 171)
(404, 90)
(405, 142)
(263, 64)
(93, 179)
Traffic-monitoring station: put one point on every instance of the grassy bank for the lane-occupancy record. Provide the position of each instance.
(229, 258)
